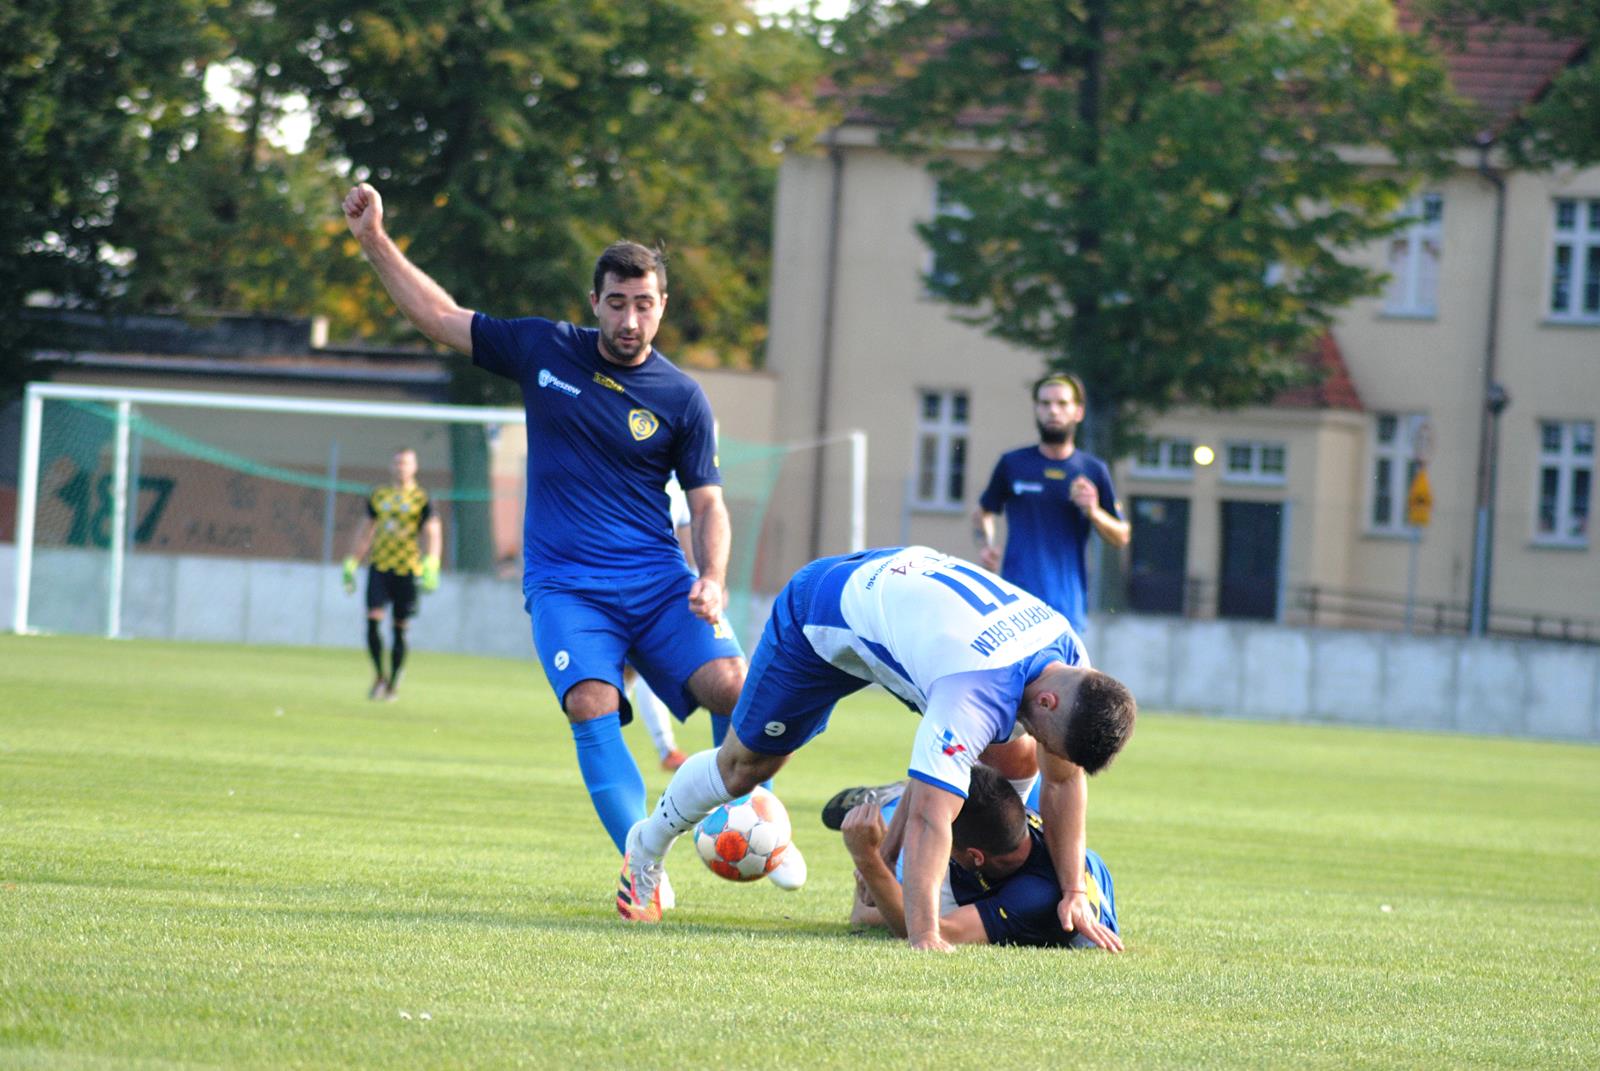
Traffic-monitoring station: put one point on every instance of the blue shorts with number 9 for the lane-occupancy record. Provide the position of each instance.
(584, 628)
(790, 691)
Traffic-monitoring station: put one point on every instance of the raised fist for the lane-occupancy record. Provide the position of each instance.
(363, 210)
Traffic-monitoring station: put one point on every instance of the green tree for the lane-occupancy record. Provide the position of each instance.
(1153, 194)
(513, 141)
(1562, 124)
(91, 93)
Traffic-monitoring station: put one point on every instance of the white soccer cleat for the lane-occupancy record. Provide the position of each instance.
(790, 873)
(668, 898)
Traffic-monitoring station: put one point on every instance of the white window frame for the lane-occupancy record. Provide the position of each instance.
(1411, 292)
(1574, 453)
(1581, 243)
(947, 433)
(1174, 460)
(1401, 453)
(1254, 472)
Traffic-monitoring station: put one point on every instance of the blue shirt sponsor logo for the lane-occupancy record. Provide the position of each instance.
(548, 379)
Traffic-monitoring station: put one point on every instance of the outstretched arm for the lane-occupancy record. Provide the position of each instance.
(1064, 806)
(421, 300)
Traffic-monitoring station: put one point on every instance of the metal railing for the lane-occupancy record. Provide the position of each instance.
(1320, 606)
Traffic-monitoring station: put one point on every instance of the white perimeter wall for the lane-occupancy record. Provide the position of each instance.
(1506, 687)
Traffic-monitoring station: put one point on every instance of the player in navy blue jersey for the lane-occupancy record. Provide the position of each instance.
(609, 422)
(1052, 495)
(1001, 886)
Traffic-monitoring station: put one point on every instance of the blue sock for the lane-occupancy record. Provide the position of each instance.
(1032, 802)
(610, 775)
(719, 728)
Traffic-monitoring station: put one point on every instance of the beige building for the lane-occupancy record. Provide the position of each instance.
(1301, 514)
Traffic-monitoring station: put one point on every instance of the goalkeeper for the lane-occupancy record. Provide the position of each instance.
(397, 515)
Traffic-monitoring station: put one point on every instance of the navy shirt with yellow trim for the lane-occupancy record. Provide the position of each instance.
(1046, 533)
(602, 442)
(1021, 908)
(398, 514)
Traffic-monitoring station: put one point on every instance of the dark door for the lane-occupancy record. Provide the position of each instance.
(1159, 556)
(1251, 543)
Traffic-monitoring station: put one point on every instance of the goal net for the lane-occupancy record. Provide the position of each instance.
(208, 516)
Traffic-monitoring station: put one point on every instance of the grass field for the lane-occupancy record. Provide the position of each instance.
(227, 857)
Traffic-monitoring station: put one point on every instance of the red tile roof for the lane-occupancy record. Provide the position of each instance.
(1334, 389)
(1499, 68)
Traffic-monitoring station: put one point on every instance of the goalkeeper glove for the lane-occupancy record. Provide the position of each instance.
(430, 573)
(350, 566)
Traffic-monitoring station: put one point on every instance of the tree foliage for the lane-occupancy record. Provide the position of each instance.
(1153, 194)
(92, 92)
(511, 141)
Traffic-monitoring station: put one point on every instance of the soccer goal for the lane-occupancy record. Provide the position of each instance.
(217, 516)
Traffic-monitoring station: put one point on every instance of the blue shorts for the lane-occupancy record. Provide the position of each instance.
(790, 691)
(584, 628)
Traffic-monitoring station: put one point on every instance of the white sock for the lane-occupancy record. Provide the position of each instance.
(1023, 785)
(694, 792)
(655, 715)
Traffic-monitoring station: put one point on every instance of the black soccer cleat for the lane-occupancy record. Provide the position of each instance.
(834, 810)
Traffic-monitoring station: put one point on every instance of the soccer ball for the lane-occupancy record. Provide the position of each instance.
(745, 838)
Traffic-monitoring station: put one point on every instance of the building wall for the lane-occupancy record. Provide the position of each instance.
(888, 339)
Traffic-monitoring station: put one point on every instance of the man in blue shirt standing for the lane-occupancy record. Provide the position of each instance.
(1052, 495)
(610, 420)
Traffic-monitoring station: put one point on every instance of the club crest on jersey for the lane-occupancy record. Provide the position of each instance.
(642, 423)
(950, 745)
(722, 630)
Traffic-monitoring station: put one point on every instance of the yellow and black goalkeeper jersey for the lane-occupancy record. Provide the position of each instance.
(400, 515)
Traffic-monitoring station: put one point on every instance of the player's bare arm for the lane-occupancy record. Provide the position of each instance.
(864, 831)
(421, 300)
(927, 854)
(1114, 530)
(432, 538)
(983, 535)
(363, 538)
(712, 535)
(1064, 806)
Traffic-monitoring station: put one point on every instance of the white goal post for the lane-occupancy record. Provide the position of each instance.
(127, 409)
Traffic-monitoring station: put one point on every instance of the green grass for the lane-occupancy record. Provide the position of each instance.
(226, 857)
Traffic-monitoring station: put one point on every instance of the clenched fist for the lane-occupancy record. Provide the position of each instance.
(363, 211)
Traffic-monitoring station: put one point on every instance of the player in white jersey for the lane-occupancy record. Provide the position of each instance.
(982, 660)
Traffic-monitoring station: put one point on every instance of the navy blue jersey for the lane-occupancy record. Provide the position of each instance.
(1021, 908)
(1046, 534)
(602, 442)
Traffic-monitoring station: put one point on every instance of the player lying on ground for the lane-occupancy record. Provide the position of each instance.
(1001, 886)
(982, 660)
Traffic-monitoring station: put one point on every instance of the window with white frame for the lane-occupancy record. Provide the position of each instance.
(1414, 256)
(1164, 459)
(1394, 466)
(941, 477)
(1255, 462)
(1575, 270)
(1566, 477)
